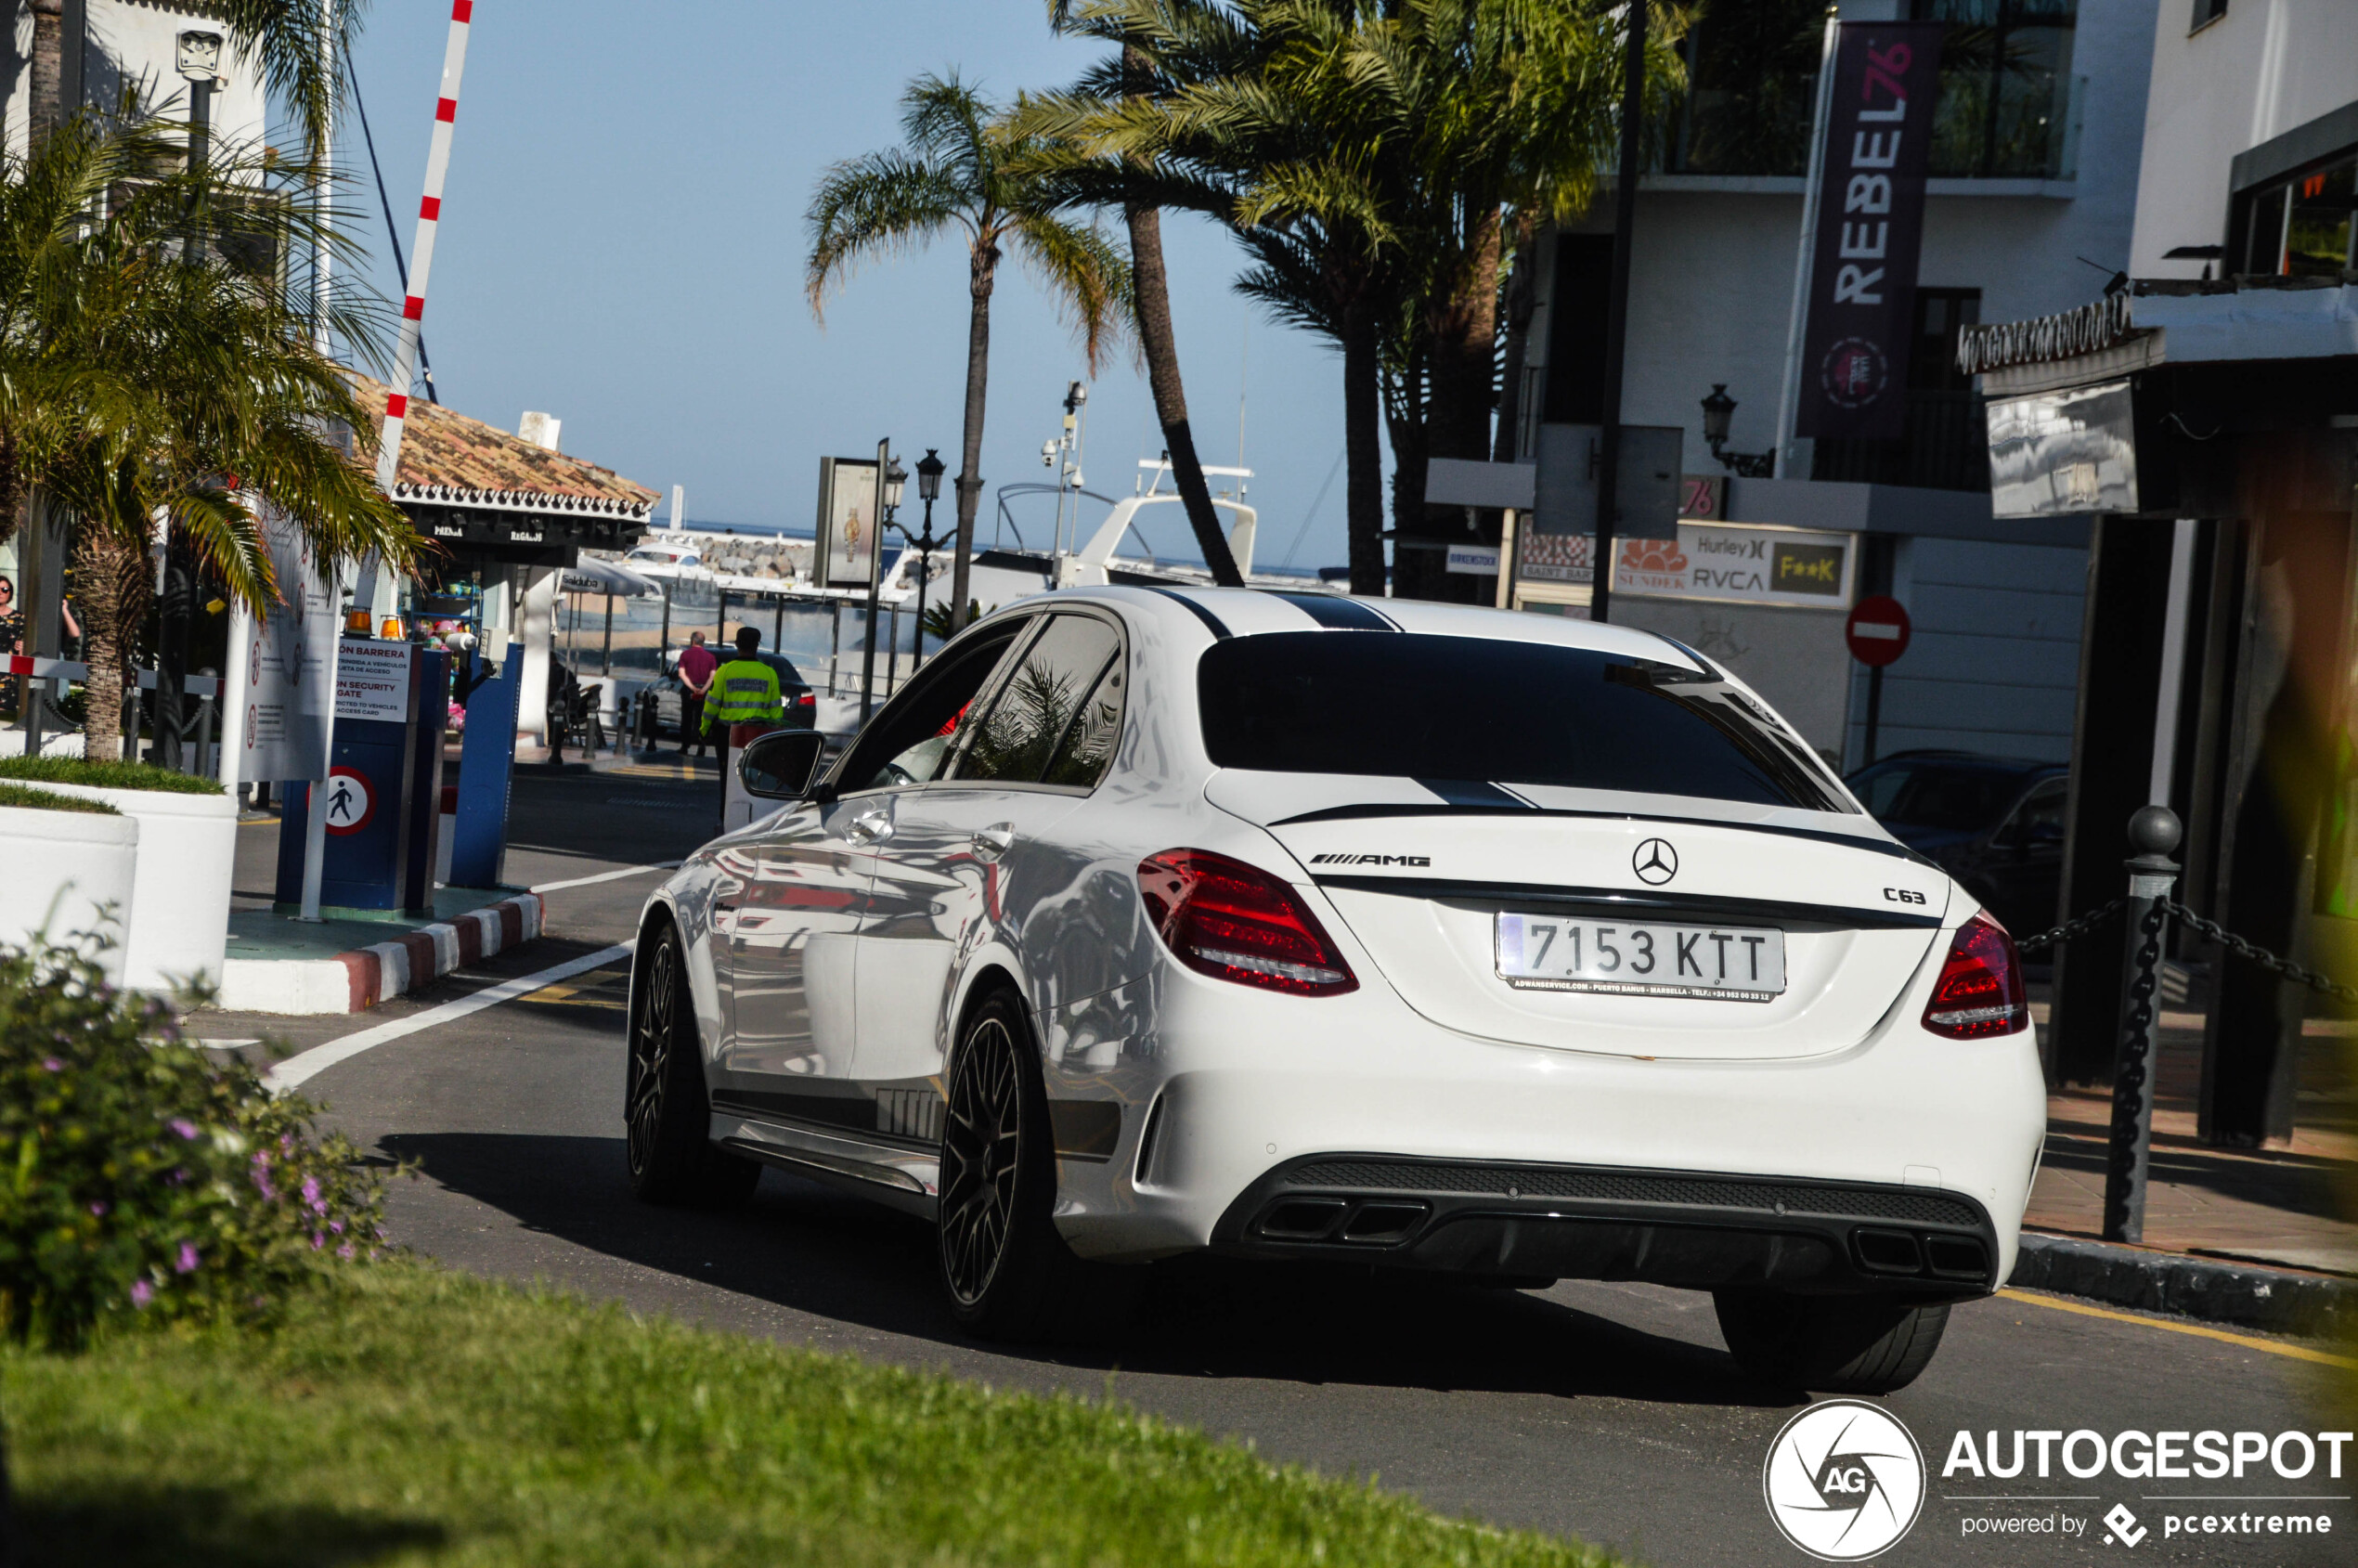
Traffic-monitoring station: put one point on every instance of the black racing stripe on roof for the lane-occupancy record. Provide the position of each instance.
(1366, 812)
(1476, 792)
(1335, 613)
(1211, 622)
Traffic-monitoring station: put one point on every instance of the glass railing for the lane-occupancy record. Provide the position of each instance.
(2011, 124)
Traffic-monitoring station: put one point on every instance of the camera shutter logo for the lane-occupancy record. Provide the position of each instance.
(1844, 1480)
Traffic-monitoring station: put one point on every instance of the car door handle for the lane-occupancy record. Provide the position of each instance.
(994, 841)
(874, 828)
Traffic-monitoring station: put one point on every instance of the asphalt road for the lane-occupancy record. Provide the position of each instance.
(1608, 1412)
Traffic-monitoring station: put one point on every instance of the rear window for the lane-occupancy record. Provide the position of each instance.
(1483, 710)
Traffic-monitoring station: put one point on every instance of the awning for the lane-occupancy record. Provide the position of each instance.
(591, 575)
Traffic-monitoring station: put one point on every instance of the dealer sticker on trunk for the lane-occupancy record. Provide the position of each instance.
(1641, 958)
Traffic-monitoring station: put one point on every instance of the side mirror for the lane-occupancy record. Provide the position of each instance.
(783, 764)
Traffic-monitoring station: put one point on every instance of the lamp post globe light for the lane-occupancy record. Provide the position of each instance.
(1718, 410)
(929, 471)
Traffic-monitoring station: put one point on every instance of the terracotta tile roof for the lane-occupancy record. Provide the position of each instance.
(445, 450)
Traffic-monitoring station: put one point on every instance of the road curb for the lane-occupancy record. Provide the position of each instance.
(2279, 1300)
(354, 982)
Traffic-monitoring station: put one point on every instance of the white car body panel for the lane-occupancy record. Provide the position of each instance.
(1430, 1059)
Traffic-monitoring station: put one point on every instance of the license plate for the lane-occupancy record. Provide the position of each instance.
(1641, 958)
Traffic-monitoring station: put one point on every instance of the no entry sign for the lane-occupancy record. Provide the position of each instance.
(1878, 630)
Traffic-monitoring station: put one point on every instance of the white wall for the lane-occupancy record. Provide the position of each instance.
(130, 41)
(2264, 67)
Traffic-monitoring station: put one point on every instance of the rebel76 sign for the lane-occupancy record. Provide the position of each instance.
(1871, 219)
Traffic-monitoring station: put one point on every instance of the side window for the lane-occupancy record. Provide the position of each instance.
(1039, 701)
(908, 742)
(1080, 761)
(2041, 820)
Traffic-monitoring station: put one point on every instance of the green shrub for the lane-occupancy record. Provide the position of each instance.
(141, 1179)
(105, 775)
(48, 800)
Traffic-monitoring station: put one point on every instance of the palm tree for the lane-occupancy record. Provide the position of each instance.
(964, 170)
(140, 371)
(1157, 344)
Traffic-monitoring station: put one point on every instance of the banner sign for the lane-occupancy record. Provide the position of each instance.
(1746, 563)
(1871, 221)
(848, 527)
(284, 733)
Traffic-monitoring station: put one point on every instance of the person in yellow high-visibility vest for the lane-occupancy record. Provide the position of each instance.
(745, 691)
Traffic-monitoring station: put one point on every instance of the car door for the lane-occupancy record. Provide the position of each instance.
(802, 896)
(977, 854)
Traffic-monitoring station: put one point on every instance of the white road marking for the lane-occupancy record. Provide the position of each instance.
(608, 876)
(306, 1065)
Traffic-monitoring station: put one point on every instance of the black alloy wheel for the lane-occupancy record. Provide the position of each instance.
(666, 1112)
(982, 1149)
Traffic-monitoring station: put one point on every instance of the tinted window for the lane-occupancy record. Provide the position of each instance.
(1477, 709)
(1936, 795)
(908, 741)
(1039, 704)
(1088, 744)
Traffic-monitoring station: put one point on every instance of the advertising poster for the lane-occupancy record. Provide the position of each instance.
(1746, 564)
(847, 523)
(287, 703)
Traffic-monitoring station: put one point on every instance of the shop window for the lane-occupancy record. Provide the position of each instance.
(2302, 226)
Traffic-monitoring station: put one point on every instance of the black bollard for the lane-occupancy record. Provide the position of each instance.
(2154, 832)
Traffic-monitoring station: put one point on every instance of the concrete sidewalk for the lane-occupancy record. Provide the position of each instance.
(2259, 1236)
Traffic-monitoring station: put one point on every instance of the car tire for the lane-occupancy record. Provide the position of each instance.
(1831, 1344)
(1006, 1273)
(666, 1116)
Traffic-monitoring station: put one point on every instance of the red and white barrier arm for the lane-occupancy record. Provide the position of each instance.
(413, 308)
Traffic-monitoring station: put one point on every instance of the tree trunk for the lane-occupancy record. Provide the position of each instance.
(45, 109)
(1150, 284)
(1463, 344)
(981, 275)
(1161, 349)
(1363, 450)
(1522, 300)
(111, 591)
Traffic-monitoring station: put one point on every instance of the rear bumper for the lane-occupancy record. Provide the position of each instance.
(1693, 1229)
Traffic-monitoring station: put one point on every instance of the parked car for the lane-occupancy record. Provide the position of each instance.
(659, 701)
(1995, 823)
(1371, 932)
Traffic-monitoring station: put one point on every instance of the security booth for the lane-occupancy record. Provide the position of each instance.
(2214, 427)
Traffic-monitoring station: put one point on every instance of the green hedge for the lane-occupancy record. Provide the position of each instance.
(105, 775)
(49, 800)
(141, 1179)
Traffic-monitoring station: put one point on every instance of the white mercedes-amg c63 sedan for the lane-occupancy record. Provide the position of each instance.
(1405, 935)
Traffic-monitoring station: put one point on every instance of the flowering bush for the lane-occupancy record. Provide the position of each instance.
(139, 1178)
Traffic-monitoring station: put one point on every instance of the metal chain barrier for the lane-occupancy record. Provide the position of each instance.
(2071, 928)
(2212, 930)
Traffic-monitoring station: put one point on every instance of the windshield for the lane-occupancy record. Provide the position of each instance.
(1936, 794)
(1503, 712)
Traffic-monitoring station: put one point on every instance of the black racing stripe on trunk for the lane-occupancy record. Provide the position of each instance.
(1211, 622)
(1335, 613)
(1639, 903)
(1476, 792)
(1362, 813)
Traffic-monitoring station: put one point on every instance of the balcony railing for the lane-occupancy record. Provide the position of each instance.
(1944, 447)
(2010, 126)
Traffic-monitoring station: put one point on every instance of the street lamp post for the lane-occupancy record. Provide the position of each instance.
(1717, 411)
(929, 471)
(890, 477)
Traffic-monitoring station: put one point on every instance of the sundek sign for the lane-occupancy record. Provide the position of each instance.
(1750, 564)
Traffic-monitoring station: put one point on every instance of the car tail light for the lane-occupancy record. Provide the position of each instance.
(808, 699)
(1235, 922)
(1980, 991)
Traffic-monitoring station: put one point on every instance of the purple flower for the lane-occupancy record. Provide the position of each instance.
(336, 1225)
(317, 1240)
(141, 1292)
(188, 1263)
(54, 1065)
(311, 1198)
(344, 1252)
(99, 1210)
(186, 1128)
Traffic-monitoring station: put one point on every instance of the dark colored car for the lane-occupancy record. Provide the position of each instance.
(1995, 823)
(659, 702)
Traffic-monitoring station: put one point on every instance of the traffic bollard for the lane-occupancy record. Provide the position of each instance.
(2154, 832)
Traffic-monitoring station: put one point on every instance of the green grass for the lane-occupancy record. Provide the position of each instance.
(430, 1418)
(105, 775)
(43, 800)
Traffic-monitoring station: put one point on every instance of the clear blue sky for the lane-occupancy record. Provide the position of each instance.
(622, 246)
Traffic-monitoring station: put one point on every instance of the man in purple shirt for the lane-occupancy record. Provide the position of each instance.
(696, 665)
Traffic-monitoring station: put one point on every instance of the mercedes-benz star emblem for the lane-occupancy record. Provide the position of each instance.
(1656, 862)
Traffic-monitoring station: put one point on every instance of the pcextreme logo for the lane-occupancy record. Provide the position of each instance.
(1844, 1481)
